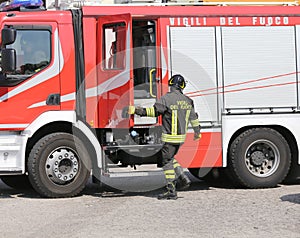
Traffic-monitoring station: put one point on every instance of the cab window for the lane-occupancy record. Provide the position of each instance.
(33, 50)
(114, 45)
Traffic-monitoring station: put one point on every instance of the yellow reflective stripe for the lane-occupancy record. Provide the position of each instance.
(175, 164)
(150, 112)
(131, 110)
(173, 138)
(174, 122)
(169, 171)
(187, 115)
(170, 174)
(195, 123)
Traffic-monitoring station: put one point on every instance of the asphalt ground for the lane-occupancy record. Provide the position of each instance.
(201, 211)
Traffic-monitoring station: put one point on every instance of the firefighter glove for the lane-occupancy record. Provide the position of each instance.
(197, 136)
(139, 111)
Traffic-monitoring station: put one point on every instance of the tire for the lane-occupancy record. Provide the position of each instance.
(259, 158)
(16, 181)
(59, 166)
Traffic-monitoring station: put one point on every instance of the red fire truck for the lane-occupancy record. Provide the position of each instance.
(67, 75)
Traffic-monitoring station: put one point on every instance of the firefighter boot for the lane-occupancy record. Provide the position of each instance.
(170, 194)
(183, 181)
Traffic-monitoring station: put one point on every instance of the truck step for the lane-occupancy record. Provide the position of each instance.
(114, 171)
(132, 174)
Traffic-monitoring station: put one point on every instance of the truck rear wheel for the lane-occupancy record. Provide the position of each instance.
(259, 158)
(58, 166)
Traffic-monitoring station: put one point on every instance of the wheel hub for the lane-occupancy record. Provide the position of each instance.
(262, 158)
(257, 158)
(62, 165)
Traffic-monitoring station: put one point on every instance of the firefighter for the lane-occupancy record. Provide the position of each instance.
(177, 111)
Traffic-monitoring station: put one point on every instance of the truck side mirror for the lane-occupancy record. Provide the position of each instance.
(8, 60)
(8, 36)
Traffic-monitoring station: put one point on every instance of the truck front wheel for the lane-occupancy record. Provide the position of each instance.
(59, 166)
(259, 158)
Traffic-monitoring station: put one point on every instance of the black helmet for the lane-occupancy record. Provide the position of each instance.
(177, 81)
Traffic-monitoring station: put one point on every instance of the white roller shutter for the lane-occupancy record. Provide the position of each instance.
(259, 67)
(193, 55)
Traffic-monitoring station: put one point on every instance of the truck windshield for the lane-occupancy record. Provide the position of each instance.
(33, 51)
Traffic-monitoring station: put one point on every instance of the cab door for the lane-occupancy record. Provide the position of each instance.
(114, 70)
(34, 86)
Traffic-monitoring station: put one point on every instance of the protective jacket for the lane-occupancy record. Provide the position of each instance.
(177, 112)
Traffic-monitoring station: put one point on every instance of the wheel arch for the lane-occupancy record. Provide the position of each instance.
(53, 127)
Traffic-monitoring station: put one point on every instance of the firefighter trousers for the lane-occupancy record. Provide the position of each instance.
(170, 165)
